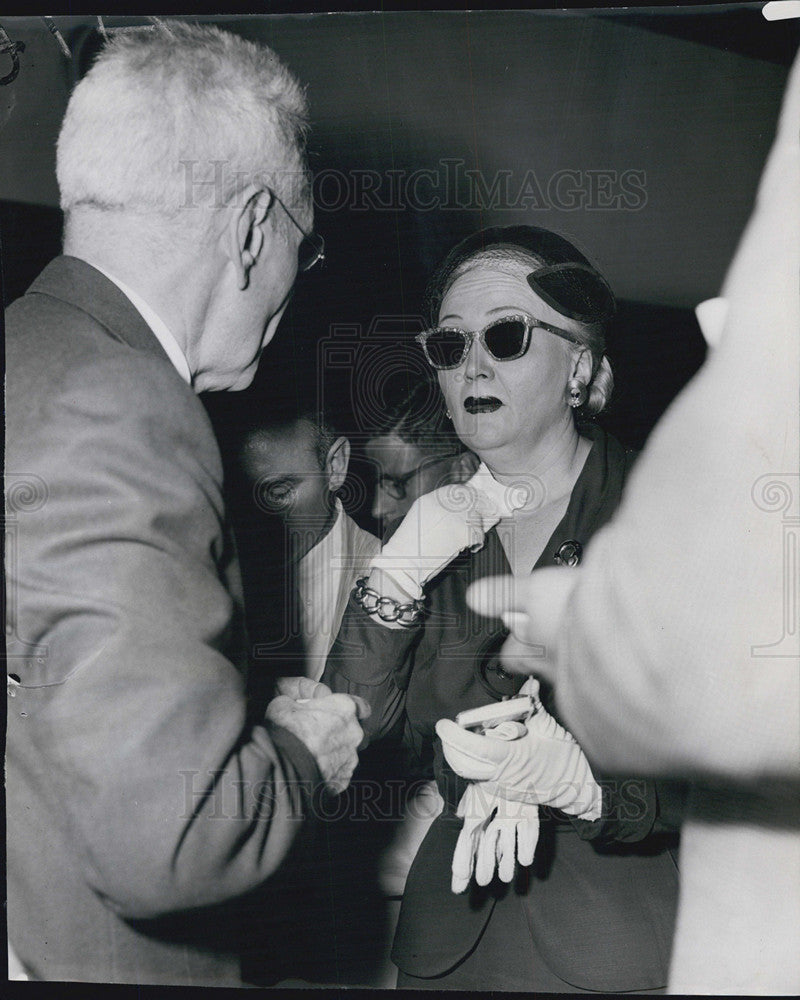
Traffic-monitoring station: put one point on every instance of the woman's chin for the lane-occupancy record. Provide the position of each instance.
(482, 435)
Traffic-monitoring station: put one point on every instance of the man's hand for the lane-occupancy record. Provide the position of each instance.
(326, 723)
(532, 608)
(301, 688)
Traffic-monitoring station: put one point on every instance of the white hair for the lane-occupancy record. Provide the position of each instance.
(591, 336)
(183, 116)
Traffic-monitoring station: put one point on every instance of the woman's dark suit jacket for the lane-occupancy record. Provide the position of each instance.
(601, 895)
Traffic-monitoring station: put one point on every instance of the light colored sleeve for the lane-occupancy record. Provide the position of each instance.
(680, 651)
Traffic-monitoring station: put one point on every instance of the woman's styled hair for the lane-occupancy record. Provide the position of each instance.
(589, 296)
(177, 116)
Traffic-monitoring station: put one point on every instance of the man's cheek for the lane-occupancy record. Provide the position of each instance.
(301, 515)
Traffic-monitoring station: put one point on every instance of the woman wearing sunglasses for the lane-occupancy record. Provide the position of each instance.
(550, 878)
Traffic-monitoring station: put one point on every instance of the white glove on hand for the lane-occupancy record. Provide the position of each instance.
(544, 767)
(487, 841)
(441, 524)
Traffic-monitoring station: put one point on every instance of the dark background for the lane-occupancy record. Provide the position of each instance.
(657, 120)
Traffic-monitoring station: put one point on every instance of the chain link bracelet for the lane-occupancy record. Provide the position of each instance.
(386, 608)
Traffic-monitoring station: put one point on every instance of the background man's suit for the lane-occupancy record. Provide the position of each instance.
(139, 799)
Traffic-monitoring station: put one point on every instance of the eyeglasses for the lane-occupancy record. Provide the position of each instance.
(312, 246)
(396, 486)
(505, 339)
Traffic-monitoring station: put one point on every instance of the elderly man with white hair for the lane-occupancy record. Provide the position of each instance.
(144, 799)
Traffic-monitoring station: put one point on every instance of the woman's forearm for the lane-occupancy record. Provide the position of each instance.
(372, 661)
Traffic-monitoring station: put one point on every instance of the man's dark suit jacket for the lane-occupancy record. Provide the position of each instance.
(141, 800)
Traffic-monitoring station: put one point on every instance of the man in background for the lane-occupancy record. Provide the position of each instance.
(144, 796)
(301, 554)
(414, 450)
(288, 469)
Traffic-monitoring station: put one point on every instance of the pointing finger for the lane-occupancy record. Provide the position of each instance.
(542, 597)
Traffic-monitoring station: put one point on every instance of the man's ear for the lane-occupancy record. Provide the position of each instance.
(337, 463)
(244, 234)
(464, 466)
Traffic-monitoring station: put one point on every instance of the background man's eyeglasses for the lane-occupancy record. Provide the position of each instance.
(505, 339)
(312, 246)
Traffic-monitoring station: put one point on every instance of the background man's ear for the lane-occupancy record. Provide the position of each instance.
(337, 463)
(464, 466)
(245, 230)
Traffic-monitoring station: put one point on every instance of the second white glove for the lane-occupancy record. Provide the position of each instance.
(496, 833)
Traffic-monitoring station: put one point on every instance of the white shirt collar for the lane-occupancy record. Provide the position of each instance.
(326, 548)
(160, 329)
(319, 579)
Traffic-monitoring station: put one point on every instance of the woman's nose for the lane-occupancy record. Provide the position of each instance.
(479, 363)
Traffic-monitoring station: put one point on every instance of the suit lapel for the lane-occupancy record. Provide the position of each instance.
(595, 496)
(74, 281)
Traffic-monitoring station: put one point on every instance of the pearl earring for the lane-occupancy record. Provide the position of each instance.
(576, 392)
